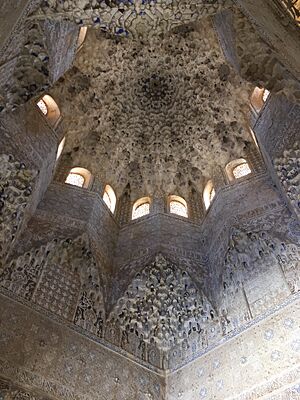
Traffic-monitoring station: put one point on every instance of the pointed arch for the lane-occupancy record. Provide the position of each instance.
(81, 37)
(60, 148)
(141, 207)
(258, 98)
(208, 194)
(178, 206)
(109, 198)
(79, 176)
(49, 108)
(237, 169)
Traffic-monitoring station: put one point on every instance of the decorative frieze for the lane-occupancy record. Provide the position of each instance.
(128, 18)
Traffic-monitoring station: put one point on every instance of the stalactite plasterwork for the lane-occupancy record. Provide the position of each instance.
(162, 318)
(256, 260)
(131, 18)
(16, 184)
(162, 305)
(258, 61)
(30, 72)
(288, 170)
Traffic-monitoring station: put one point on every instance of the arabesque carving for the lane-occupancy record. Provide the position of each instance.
(16, 185)
(55, 276)
(288, 170)
(9, 391)
(30, 74)
(162, 305)
(257, 260)
(154, 94)
(259, 63)
(131, 18)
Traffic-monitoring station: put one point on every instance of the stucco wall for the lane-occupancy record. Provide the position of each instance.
(262, 360)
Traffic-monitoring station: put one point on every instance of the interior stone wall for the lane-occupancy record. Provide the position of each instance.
(231, 208)
(10, 391)
(13, 16)
(277, 131)
(16, 187)
(94, 306)
(87, 214)
(56, 361)
(34, 53)
(260, 363)
(287, 168)
(260, 236)
(31, 147)
(44, 356)
(243, 36)
(61, 38)
(277, 27)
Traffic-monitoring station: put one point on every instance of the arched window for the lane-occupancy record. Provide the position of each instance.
(42, 106)
(109, 198)
(81, 37)
(141, 207)
(208, 194)
(258, 98)
(237, 169)
(265, 95)
(49, 109)
(60, 148)
(79, 177)
(253, 137)
(178, 206)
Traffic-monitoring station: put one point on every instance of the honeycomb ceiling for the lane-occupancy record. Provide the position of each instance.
(159, 114)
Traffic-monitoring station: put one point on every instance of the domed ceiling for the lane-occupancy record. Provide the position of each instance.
(158, 114)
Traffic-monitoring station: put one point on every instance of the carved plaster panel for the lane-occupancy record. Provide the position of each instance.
(16, 184)
(260, 271)
(288, 171)
(137, 19)
(162, 305)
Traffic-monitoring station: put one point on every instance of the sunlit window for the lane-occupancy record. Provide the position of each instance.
(79, 176)
(81, 37)
(141, 210)
(208, 194)
(60, 148)
(212, 195)
(237, 169)
(42, 106)
(75, 179)
(265, 95)
(49, 109)
(141, 207)
(109, 198)
(178, 206)
(258, 98)
(241, 170)
(253, 137)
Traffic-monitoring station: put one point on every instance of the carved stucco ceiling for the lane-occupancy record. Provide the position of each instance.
(158, 114)
(135, 18)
